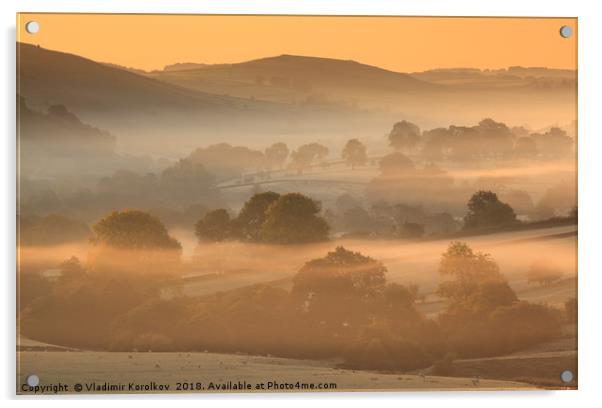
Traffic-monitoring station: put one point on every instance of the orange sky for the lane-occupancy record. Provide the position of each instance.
(403, 44)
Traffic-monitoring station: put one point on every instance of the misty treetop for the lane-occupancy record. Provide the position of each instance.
(488, 140)
(341, 273)
(268, 217)
(404, 135)
(486, 210)
(483, 315)
(133, 229)
(308, 154)
(354, 153)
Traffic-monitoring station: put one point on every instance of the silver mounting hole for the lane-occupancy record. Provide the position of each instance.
(566, 376)
(566, 31)
(32, 27)
(33, 380)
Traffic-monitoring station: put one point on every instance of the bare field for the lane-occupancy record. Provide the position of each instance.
(170, 368)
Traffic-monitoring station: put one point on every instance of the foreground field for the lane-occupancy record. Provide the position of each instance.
(223, 370)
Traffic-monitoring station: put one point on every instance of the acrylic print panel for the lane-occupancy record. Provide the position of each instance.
(296, 204)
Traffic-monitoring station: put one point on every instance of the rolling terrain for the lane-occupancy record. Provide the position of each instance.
(144, 112)
(170, 368)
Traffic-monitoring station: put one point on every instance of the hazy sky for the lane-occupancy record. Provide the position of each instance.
(396, 43)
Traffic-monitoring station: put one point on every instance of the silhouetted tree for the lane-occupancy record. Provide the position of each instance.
(276, 154)
(132, 229)
(247, 226)
(294, 219)
(307, 154)
(354, 153)
(471, 275)
(404, 135)
(340, 273)
(486, 210)
(214, 226)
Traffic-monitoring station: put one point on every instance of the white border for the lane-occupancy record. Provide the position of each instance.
(590, 132)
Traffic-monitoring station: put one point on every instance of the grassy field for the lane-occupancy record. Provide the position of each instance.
(85, 367)
(406, 261)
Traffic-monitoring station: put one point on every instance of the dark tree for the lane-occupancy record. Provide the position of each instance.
(340, 272)
(214, 226)
(486, 210)
(404, 135)
(247, 226)
(354, 153)
(294, 219)
(132, 229)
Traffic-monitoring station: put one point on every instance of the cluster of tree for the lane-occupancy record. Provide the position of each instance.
(228, 162)
(355, 153)
(483, 316)
(267, 217)
(181, 187)
(487, 140)
(400, 180)
(307, 155)
(131, 259)
(57, 144)
(340, 306)
(485, 210)
(383, 220)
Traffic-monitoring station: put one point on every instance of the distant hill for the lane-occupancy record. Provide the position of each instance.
(286, 98)
(183, 66)
(295, 73)
(515, 76)
(145, 112)
(48, 77)
(60, 131)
